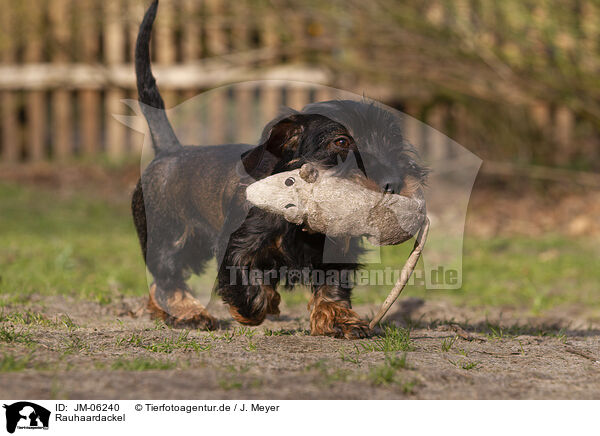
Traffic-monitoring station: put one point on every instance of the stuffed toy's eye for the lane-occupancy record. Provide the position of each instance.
(289, 181)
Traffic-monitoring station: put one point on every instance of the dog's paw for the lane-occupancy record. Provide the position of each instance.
(352, 330)
(199, 321)
(181, 310)
(273, 300)
(337, 320)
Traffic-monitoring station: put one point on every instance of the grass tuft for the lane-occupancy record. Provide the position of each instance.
(167, 345)
(394, 339)
(11, 335)
(388, 373)
(464, 364)
(447, 343)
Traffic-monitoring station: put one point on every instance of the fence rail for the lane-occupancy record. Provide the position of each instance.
(65, 66)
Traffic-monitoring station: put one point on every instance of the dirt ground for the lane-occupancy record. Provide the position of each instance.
(80, 350)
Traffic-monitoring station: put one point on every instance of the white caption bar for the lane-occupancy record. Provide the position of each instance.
(264, 417)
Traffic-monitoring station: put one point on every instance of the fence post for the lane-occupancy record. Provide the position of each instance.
(298, 96)
(89, 99)
(240, 25)
(540, 113)
(325, 93)
(244, 94)
(297, 27)
(437, 142)
(590, 24)
(217, 45)
(113, 39)
(10, 136)
(435, 13)
(191, 37)
(563, 122)
(413, 131)
(165, 45)
(62, 121)
(35, 133)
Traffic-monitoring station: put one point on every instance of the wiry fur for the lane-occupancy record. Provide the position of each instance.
(189, 205)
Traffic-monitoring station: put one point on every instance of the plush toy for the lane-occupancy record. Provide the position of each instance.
(346, 206)
(339, 206)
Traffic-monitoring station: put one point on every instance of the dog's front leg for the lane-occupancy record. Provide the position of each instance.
(331, 314)
(249, 294)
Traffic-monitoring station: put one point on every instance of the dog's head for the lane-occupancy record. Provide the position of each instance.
(344, 134)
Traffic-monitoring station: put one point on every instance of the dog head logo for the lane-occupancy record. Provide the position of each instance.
(26, 415)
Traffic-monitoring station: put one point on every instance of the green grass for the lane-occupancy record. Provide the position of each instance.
(465, 364)
(228, 383)
(352, 357)
(75, 245)
(244, 331)
(86, 247)
(447, 343)
(250, 346)
(469, 365)
(530, 273)
(10, 334)
(182, 342)
(388, 374)
(30, 318)
(329, 375)
(73, 344)
(10, 363)
(284, 332)
(397, 362)
(393, 339)
(141, 364)
(236, 377)
(27, 317)
(498, 331)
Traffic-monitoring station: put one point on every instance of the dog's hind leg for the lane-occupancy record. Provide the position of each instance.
(170, 298)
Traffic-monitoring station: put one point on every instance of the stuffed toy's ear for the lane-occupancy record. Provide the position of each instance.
(309, 173)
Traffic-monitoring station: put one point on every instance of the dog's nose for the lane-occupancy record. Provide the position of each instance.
(391, 185)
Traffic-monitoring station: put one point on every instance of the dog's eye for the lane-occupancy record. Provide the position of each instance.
(289, 181)
(341, 142)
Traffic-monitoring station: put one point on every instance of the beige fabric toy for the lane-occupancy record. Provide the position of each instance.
(338, 206)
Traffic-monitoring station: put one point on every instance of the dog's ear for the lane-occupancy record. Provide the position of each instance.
(279, 136)
(257, 163)
(283, 135)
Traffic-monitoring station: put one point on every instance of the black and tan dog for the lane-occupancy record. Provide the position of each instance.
(189, 206)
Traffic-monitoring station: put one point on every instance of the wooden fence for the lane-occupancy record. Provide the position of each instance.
(65, 66)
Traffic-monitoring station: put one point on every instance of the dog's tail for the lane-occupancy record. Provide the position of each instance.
(152, 104)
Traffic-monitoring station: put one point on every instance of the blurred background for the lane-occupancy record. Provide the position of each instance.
(512, 81)
(515, 82)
